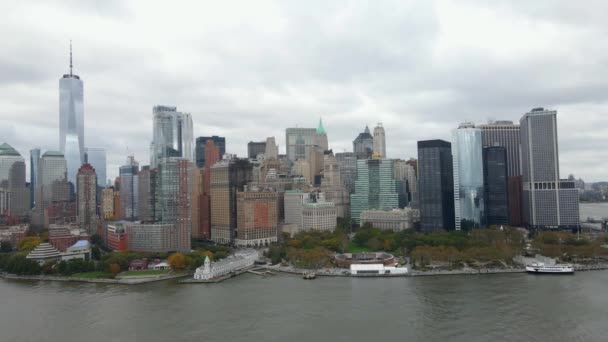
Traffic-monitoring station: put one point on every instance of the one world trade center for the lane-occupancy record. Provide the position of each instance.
(71, 122)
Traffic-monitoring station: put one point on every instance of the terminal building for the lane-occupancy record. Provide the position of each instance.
(241, 259)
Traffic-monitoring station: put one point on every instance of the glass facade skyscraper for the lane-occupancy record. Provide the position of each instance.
(375, 187)
(468, 177)
(129, 190)
(96, 156)
(34, 158)
(71, 122)
(172, 135)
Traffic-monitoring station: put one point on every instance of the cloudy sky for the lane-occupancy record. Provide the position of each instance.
(249, 69)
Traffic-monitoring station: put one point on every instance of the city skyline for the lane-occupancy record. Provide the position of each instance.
(248, 94)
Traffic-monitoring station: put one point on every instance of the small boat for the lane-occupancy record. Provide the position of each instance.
(309, 275)
(539, 267)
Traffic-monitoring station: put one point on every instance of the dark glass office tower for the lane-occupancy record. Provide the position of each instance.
(220, 142)
(254, 148)
(435, 185)
(495, 185)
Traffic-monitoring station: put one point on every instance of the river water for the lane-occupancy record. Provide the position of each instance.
(506, 307)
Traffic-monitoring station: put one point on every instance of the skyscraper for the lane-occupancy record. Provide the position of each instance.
(299, 141)
(201, 143)
(51, 183)
(257, 217)
(506, 134)
(148, 182)
(548, 202)
(212, 156)
(227, 178)
(12, 182)
(363, 145)
(34, 158)
(495, 184)
(348, 169)
(71, 121)
(272, 149)
(254, 148)
(172, 198)
(332, 185)
(86, 198)
(129, 189)
(468, 177)
(172, 135)
(402, 175)
(375, 187)
(380, 140)
(435, 185)
(96, 156)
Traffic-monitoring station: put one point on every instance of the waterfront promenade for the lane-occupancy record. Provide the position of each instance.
(125, 280)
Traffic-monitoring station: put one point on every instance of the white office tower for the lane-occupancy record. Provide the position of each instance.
(380, 140)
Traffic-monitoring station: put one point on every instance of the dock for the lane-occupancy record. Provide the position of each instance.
(218, 279)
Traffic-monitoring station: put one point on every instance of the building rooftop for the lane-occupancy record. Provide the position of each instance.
(8, 150)
(52, 154)
(81, 244)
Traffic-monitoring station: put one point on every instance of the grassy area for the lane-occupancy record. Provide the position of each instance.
(352, 248)
(143, 272)
(91, 275)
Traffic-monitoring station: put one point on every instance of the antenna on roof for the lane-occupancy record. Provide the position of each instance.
(71, 57)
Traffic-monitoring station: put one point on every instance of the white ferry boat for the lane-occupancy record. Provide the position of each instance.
(539, 267)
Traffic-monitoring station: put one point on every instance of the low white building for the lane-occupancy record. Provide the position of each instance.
(376, 269)
(394, 219)
(44, 252)
(80, 250)
(241, 259)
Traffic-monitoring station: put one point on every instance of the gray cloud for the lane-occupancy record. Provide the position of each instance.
(248, 70)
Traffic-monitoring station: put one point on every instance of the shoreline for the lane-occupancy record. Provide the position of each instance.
(324, 272)
(338, 272)
(122, 281)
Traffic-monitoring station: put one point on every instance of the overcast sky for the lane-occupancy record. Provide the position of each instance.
(247, 70)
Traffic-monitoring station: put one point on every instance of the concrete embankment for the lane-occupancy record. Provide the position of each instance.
(121, 281)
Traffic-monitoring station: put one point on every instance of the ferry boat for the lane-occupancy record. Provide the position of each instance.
(539, 267)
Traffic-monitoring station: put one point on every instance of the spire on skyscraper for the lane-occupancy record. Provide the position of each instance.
(320, 128)
(71, 57)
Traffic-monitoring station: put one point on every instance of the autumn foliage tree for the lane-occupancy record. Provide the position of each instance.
(178, 261)
(29, 243)
(113, 269)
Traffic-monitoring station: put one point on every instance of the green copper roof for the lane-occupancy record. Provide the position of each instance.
(8, 150)
(320, 128)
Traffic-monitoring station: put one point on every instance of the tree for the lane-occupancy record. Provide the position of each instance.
(178, 261)
(96, 253)
(29, 243)
(96, 240)
(113, 269)
(6, 247)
